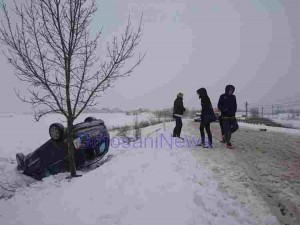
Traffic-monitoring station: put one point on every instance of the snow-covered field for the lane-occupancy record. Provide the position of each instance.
(257, 127)
(167, 182)
(286, 119)
(20, 133)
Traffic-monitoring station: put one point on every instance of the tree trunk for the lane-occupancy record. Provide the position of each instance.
(71, 157)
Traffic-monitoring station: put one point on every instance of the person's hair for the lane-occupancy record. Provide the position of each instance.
(179, 95)
(202, 92)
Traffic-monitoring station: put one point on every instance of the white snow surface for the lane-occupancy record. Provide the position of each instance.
(139, 185)
(20, 133)
(269, 128)
(287, 119)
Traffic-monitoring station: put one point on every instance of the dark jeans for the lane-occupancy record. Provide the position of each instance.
(177, 129)
(205, 126)
(221, 125)
(230, 126)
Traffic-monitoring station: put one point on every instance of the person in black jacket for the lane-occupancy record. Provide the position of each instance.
(178, 111)
(228, 106)
(207, 116)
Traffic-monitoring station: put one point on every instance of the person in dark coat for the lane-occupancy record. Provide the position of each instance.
(228, 107)
(178, 111)
(207, 116)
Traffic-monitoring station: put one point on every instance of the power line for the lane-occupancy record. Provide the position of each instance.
(276, 104)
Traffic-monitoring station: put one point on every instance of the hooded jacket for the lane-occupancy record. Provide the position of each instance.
(178, 106)
(207, 108)
(227, 103)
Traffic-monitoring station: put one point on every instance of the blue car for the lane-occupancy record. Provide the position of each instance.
(91, 141)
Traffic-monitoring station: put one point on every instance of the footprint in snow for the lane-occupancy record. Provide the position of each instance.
(106, 219)
(145, 165)
(198, 201)
(139, 206)
(2, 167)
(3, 159)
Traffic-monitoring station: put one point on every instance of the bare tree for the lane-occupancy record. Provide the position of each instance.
(51, 48)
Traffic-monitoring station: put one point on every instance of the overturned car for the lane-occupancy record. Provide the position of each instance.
(91, 141)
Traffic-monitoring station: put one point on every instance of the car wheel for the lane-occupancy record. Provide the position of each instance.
(56, 131)
(89, 119)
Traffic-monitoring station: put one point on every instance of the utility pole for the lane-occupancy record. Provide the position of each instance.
(246, 106)
(272, 111)
(262, 111)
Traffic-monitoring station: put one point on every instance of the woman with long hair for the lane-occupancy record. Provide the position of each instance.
(207, 116)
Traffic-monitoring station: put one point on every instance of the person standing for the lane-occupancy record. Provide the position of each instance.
(207, 116)
(178, 111)
(228, 107)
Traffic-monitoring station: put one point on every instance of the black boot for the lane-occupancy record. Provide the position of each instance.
(202, 143)
(209, 145)
(175, 132)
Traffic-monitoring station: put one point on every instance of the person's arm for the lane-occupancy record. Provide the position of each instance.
(181, 106)
(175, 107)
(205, 103)
(221, 103)
(211, 108)
(235, 105)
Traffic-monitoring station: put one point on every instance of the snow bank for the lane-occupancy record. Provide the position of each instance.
(287, 119)
(269, 128)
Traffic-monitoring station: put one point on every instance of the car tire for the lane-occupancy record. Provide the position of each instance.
(89, 119)
(56, 131)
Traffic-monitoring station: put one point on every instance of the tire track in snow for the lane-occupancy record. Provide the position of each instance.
(260, 155)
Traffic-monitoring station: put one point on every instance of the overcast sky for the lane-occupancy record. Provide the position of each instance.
(252, 44)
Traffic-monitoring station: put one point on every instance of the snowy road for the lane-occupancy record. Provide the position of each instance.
(264, 165)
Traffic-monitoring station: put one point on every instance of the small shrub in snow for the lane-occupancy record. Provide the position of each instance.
(264, 121)
(136, 127)
(143, 124)
(123, 132)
